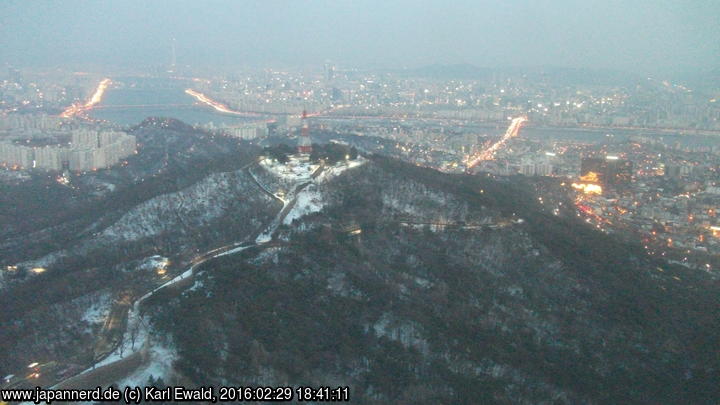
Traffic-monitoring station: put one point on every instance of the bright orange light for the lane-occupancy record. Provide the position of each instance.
(489, 153)
(76, 109)
(715, 230)
(587, 188)
(590, 177)
(218, 106)
(207, 100)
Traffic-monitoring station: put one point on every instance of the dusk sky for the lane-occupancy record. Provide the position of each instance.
(640, 35)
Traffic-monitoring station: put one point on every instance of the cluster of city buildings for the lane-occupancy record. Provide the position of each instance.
(671, 199)
(247, 131)
(30, 123)
(616, 148)
(662, 189)
(650, 104)
(42, 142)
(42, 91)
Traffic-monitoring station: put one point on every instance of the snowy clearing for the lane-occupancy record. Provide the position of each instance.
(99, 310)
(308, 201)
(296, 169)
(159, 365)
(153, 263)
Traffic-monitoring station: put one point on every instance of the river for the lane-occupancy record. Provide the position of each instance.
(130, 100)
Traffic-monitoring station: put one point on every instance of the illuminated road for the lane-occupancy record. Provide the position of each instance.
(218, 106)
(35, 374)
(78, 109)
(330, 113)
(489, 153)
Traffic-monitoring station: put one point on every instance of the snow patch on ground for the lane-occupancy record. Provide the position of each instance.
(309, 200)
(197, 285)
(135, 326)
(159, 365)
(267, 255)
(45, 261)
(423, 282)
(154, 262)
(99, 310)
(264, 237)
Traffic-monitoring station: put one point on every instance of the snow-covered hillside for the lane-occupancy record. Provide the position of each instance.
(228, 203)
(309, 200)
(194, 207)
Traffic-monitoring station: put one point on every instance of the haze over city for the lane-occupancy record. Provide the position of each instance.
(669, 36)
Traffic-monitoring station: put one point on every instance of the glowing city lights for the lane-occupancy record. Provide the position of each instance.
(218, 106)
(96, 98)
(489, 153)
(588, 188)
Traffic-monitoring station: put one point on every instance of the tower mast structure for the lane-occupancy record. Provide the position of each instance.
(304, 142)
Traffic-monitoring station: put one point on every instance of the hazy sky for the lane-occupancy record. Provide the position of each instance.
(636, 35)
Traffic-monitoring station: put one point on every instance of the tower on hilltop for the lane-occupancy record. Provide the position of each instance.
(304, 142)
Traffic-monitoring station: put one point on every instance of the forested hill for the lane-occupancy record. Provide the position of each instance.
(413, 286)
(96, 237)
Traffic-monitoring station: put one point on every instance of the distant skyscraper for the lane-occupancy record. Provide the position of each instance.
(304, 142)
(329, 72)
(173, 57)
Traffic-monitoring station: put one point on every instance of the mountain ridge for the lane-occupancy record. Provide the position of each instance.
(557, 324)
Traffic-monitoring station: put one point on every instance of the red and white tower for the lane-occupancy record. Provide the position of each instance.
(304, 142)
